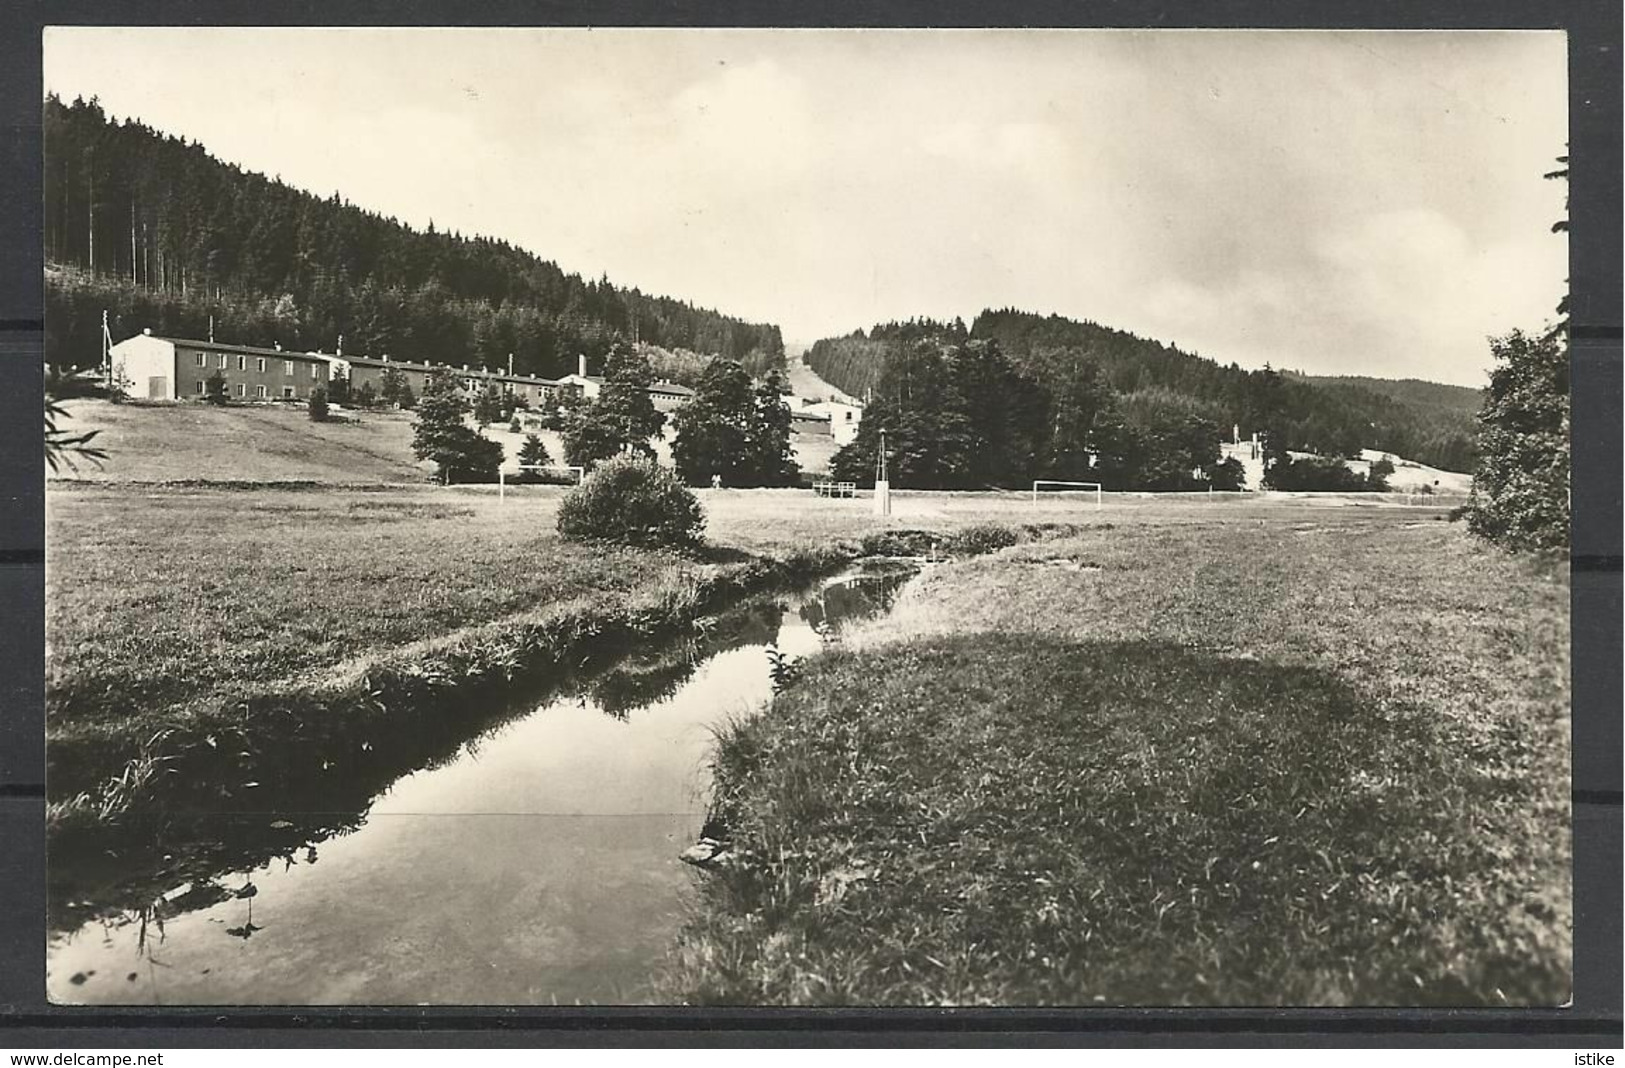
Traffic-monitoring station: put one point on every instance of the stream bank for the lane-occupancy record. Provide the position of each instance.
(531, 859)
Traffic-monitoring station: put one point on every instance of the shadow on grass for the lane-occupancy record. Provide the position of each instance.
(1014, 819)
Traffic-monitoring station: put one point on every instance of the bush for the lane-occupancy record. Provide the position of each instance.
(318, 405)
(982, 538)
(632, 500)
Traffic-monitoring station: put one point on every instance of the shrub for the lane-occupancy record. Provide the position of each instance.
(318, 405)
(982, 538)
(632, 500)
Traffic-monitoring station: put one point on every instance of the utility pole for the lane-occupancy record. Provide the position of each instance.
(107, 354)
(882, 480)
(91, 178)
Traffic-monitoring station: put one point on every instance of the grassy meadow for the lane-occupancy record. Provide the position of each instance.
(250, 443)
(1321, 759)
(170, 606)
(1237, 749)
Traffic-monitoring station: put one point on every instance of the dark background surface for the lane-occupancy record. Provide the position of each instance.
(1594, 243)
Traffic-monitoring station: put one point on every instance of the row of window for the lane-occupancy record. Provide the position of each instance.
(259, 364)
(260, 392)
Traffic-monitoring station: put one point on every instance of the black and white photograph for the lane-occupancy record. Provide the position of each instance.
(807, 517)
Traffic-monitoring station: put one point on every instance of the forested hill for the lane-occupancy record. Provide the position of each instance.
(1333, 416)
(1412, 391)
(160, 234)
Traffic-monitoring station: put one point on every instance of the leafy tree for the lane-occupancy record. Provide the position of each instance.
(1520, 496)
(214, 388)
(1227, 474)
(318, 405)
(1313, 474)
(622, 418)
(734, 430)
(365, 397)
(393, 388)
(713, 430)
(488, 405)
(770, 454)
(1079, 401)
(1376, 480)
(459, 453)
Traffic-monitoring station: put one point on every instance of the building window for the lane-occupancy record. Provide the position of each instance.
(222, 361)
(259, 362)
(259, 391)
(288, 392)
(242, 363)
(287, 368)
(197, 387)
(202, 359)
(242, 389)
(315, 373)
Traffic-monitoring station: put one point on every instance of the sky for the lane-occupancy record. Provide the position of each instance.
(1339, 203)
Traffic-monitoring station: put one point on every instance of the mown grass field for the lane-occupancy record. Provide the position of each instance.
(166, 603)
(251, 442)
(162, 594)
(1321, 759)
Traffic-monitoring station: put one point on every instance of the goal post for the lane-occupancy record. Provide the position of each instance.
(1069, 485)
(503, 472)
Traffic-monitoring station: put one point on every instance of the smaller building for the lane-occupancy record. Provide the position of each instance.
(370, 371)
(170, 368)
(666, 396)
(843, 418)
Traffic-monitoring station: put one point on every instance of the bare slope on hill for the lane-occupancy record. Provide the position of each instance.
(806, 383)
(253, 443)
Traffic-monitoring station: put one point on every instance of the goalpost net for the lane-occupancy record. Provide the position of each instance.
(1068, 487)
(503, 474)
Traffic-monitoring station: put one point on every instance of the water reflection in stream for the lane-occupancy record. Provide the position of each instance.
(536, 865)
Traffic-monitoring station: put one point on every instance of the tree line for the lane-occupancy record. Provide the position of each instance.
(735, 430)
(1329, 419)
(161, 235)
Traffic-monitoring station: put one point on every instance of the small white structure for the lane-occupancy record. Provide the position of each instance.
(666, 396)
(843, 418)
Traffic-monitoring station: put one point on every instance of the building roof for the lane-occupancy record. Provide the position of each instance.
(375, 361)
(671, 389)
(248, 350)
(468, 372)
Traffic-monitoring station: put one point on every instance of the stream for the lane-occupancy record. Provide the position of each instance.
(535, 863)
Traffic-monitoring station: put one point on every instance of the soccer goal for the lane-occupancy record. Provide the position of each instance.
(502, 475)
(1068, 488)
